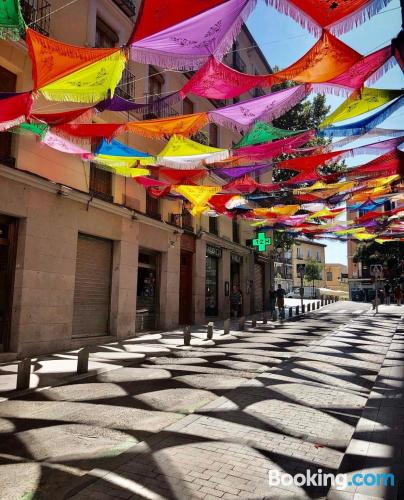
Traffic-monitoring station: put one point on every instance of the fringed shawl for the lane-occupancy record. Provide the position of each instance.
(12, 25)
(185, 125)
(15, 110)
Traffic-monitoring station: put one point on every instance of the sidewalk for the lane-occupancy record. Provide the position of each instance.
(59, 368)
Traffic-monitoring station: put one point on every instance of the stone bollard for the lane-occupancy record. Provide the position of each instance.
(308, 307)
(264, 318)
(24, 373)
(241, 323)
(82, 360)
(303, 308)
(297, 311)
(290, 312)
(226, 326)
(318, 304)
(254, 320)
(209, 334)
(187, 335)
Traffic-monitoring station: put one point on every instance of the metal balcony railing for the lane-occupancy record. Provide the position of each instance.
(159, 109)
(126, 6)
(126, 87)
(183, 220)
(36, 14)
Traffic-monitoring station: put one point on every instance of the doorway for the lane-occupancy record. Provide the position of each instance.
(8, 246)
(185, 306)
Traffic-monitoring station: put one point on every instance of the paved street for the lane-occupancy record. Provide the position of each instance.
(211, 421)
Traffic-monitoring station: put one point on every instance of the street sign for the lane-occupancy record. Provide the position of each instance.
(376, 270)
(261, 242)
(301, 269)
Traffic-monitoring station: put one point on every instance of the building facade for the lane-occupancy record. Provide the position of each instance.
(304, 251)
(87, 256)
(336, 276)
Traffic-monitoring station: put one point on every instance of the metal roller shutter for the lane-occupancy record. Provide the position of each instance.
(258, 287)
(92, 292)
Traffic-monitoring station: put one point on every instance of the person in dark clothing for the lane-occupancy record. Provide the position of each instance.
(387, 293)
(236, 301)
(280, 301)
(271, 301)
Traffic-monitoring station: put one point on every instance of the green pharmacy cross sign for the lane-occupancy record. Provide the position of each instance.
(261, 242)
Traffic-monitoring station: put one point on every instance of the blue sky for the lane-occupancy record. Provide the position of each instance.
(283, 41)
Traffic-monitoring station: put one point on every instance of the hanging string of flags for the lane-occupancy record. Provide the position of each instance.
(195, 36)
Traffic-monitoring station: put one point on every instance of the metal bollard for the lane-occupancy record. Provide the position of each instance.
(254, 320)
(24, 373)
(187, 335)
(290, 312)
(322, 300)
(274, 315)
(303, 308)
(318, 304)
(264, 318)
(82, 360)
(297, 310)
(209, 333)
(308, 307)
(226, 326)
(313, 306)
(241, 323)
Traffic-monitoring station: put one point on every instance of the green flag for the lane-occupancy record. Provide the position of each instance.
(12, 25)
(262, 132)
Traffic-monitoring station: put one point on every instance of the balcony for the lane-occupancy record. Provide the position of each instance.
(126, 87)
(36, 14)
(159, 109)
(128, 7)
(184, 220)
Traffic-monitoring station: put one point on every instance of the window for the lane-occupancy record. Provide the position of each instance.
(187, 107)
(8, 82)
(299, 254)
(213, 135)
(100, 183)
(213, 225)
(105, 37)
(156, 82)
(309, 253)
(236, 230)
(152, 207)
(37, 14)
(329, 276)
(318, 256)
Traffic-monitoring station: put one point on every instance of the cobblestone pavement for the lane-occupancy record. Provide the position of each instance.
(206, 422)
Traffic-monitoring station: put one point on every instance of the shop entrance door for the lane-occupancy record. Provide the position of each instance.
(8, 245)
(185, 313)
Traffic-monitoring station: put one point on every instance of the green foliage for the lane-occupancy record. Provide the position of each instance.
(389, 254)
(313, 271)
(282, 241)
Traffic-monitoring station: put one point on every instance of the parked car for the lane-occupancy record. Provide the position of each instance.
(307, 293)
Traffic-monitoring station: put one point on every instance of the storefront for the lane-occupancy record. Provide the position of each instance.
(235, 269)
(186, 279)
(8, 243)
(92, 290)
(147, 304)
(213, 256)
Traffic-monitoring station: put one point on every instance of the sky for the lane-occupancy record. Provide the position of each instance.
(283, 41)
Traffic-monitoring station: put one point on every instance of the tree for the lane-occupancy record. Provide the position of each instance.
(313, 272)
(390, 255)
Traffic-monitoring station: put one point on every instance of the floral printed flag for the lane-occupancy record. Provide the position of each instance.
(12, 25)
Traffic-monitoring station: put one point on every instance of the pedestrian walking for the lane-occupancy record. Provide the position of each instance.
(236, 301)
(271, 301)
(280, 300)
(387, 292)
(398, 295)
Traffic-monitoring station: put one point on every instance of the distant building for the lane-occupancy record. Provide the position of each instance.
(336, 276)
(303, 251)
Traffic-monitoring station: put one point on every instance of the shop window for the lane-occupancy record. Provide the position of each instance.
(211, 286)
(8, 82)
(100, 183)
(147, 307)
